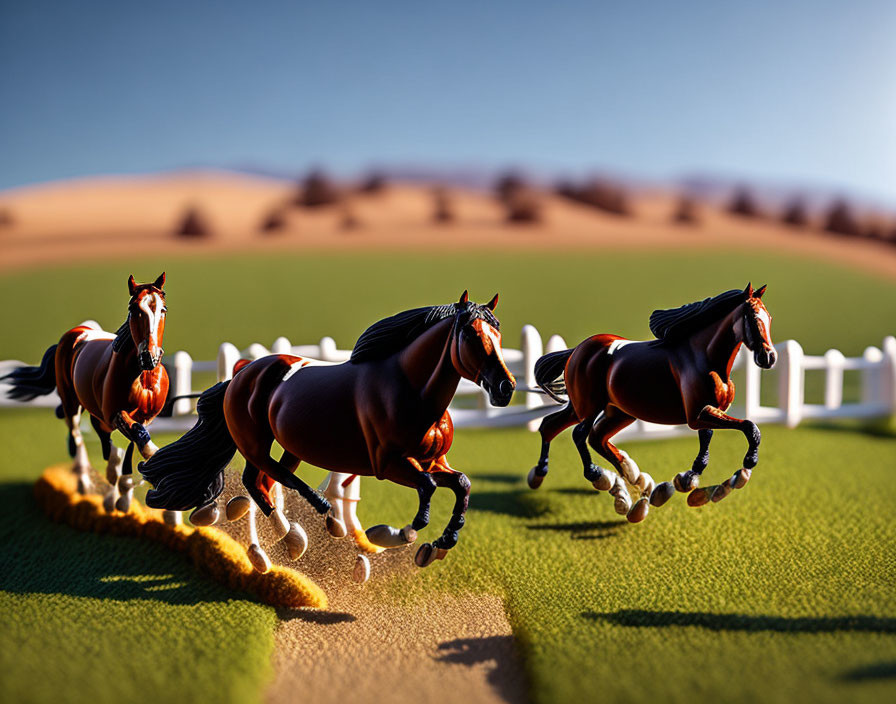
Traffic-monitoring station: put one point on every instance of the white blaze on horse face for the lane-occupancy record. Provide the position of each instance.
(765, 324)
(152, 305)
(493, 338)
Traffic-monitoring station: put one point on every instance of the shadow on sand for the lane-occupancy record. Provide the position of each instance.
(505, 675)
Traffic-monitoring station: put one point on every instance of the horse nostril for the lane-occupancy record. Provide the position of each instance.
(505, 387)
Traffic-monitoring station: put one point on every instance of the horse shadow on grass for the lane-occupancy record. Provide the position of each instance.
(583, 530)
(636, 618)
(876, 671)
(506, 676)
(38, 556)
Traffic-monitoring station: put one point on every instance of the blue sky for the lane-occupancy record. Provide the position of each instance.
(793, 92)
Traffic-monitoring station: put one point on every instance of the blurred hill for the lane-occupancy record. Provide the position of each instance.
(218, 211)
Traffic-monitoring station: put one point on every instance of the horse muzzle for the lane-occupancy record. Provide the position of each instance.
(499, 394)
(148, 361)
(765, 358)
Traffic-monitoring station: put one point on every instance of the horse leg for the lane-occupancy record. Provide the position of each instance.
(114, 458)
(609, 424)
(685, 481)
(599, 477)
(78, 450)
(460, 485)
(551, 426)
(409, 473)
(711, 418)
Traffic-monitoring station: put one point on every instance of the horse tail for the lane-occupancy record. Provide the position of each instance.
(549, 374)
(189, 473)
(27, 383)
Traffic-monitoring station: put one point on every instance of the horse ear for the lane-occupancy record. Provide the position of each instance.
(159, 282)
(464, 297)
(132, 285)
(749, 290)
(760, 290)
(492, 304)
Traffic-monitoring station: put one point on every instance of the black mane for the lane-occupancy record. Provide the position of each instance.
(123, 336)
(674, 322)
(395, 332)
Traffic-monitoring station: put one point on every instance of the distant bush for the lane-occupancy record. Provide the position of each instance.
(193, 225)
(508, 184)
(6, 218)
(375, 182)
(841, 221)
(796, 214)
(317, 190)
(686, 212)
(443, 207)
(744, 204)
(598, 193)
(522, 206)
(274, 221)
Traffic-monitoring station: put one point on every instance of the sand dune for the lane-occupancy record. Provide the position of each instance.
(126, 216)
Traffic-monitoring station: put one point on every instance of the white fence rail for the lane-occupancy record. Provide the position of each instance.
(470, 408)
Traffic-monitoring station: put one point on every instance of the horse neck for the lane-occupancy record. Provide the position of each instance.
(426, 363)
(124, 365)
(721, 341)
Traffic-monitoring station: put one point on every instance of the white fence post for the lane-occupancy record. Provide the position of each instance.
(228, 356)
(872, 378)
(281, 346)
(790, 382)
(532, 349)
(889, 375)
(328, 350)
(833, 378)
(257, 351)
(183, 382)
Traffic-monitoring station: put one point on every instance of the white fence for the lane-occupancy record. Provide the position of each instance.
(470, 408)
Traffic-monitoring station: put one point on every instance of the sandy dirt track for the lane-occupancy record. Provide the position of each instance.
(127, 216)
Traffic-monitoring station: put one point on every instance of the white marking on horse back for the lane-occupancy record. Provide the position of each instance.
(91, 335)
(617, 344)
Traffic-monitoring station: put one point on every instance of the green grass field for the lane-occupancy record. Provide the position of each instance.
(785, 591)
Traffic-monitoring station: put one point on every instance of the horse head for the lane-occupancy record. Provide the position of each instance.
(146, 317)
(756, 326)
(476, 349)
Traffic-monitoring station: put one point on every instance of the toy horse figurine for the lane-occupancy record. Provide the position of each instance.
(383, 413)
(684, 376)
(115, 377)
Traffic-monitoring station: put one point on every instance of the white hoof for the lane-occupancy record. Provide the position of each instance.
(622, 501)
(361, 570)
(388, 537)
(296, 541)
(237, 507)
(603, 481)
(85, 486)
(279, 524)
(630, 469)
(645, 484)
(123, 503)
(207, 515)
(259, 558)
(109, 499)
(535, 479)
(172, 518)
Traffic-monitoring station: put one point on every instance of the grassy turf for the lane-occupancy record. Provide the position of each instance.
(787, 588)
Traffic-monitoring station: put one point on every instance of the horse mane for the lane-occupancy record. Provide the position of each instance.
(123, 336)
(674, 322)
(391, 334)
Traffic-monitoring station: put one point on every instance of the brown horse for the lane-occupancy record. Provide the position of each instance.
(383, 414)
(684, 376)
(115, 377)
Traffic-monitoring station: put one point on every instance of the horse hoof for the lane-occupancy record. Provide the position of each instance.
(698, 497)
(639, 511)
(722, 490)
(535, 479)
(109, 501)
(441, 553)
(741, 477)
(296, 541)
(686, 481)
(622, 504)
(237, 507)
(630, 469)
(335, 527)
(361, 570)
(661, 494)
(206, 515)
(646, 484)
(123, 503)
(388, 537)
(603, 481)
(259, 558)
(426, 553)
(279, 524)
(85, 486)
(172, 518)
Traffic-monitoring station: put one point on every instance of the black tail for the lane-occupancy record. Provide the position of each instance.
(27, 383)
(549, 374)
(189, 473)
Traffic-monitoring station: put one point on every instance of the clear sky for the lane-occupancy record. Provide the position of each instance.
(801, 91)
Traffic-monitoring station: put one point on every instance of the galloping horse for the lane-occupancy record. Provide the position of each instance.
(383, 413)
(684, 376)
(115, 377)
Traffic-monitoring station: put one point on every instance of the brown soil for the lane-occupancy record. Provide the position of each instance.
(115, 217)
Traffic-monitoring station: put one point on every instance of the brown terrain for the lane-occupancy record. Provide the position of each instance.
(202, 211)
